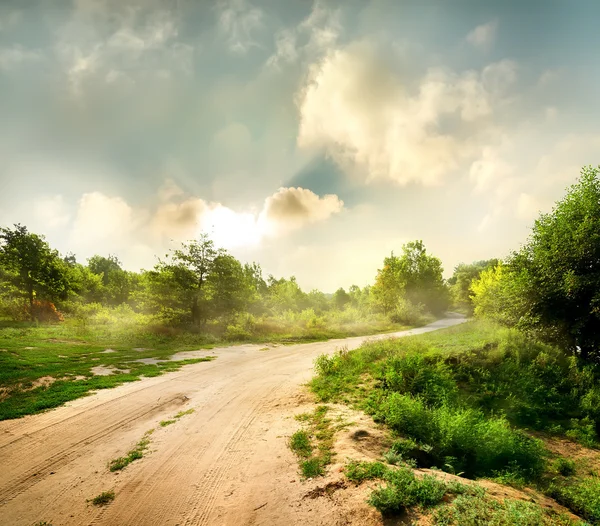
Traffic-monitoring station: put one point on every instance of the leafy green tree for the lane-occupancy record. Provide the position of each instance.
(561, 268)
(116, 282)
(35, 269)
(341, 298)
(180, 282)
(228, 289)
(463, 277)
(389, 286)
(421, 274)
(286, 294)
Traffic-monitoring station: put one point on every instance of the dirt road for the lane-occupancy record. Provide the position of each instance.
(226, 463)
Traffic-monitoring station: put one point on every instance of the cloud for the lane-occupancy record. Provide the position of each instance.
(310, 39)
(291, 208)
(355, 108)
(100, 48)
(238, 19)
(483, 36)
(109, 224)
(11, 57)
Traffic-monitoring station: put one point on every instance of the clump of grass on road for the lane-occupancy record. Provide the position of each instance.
(313, 445)
(135, 454)
(165, 423)
(106, 497)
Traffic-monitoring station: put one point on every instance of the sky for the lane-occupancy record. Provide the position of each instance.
(312, 137)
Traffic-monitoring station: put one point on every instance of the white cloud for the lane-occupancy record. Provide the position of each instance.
(356, 109)
(528, 207)
(483, 36)
(238, 19)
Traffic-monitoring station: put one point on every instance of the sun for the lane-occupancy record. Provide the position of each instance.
(230, 229)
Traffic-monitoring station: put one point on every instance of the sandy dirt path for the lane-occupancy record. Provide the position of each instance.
(226, 463)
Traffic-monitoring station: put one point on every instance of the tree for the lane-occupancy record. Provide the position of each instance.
(460, 282)
(183, 277)
(228, 290)
(389, 286)
(560, 264)
(33, 267)
(341, 298)
(116, 282)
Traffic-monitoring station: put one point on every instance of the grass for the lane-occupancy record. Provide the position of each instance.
(134, 454)
(165, 423)
(314, 445)
(67, 356)
(581, 496)
(403, 489)
(468, 400)
(480, 510)
(66, 352)
(106, 497)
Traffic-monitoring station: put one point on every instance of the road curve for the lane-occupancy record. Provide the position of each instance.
(222, 464)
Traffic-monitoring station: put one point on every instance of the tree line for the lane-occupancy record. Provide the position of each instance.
(199, 282)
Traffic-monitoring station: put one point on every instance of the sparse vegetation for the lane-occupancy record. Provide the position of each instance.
(135, 454)
(106, 497)
(481, 509)
(165, 423)
(313, 445)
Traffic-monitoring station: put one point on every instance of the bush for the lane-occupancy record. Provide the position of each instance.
(404, 489)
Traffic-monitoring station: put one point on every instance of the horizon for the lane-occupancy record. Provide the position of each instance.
(313, 138)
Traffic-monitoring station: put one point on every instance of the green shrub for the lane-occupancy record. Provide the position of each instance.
(404, 489)
(565, 466)
(312, 468)
(359, 471)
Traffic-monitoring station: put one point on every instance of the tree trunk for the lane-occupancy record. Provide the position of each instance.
(31, 316)
(195, 311)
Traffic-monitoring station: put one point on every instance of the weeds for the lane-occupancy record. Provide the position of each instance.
(165, 423)
(104, 498)
(582, 497)
(135, 454)
(479, 510)
(313, 445)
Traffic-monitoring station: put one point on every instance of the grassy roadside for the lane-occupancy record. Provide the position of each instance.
(478, 401)
(44, 366)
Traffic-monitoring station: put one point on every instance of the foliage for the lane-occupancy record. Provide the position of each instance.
(462, 278)
(35, 270)
(551, 286)
(313, 445)
(106, 497)
(134, 454)
(415, 277)
(482, 510)
(583, 497)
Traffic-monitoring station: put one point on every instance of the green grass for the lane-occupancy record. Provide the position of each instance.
(581, 496)
(165, 423)
(67, 352)
(314, 445)
(104, 498)
(67, 355)
(403, 489)
(482, 510)
(134, 454)
(300, 444)
(467, 400)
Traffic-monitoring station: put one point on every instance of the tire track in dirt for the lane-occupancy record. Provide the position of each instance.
(30, 477)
